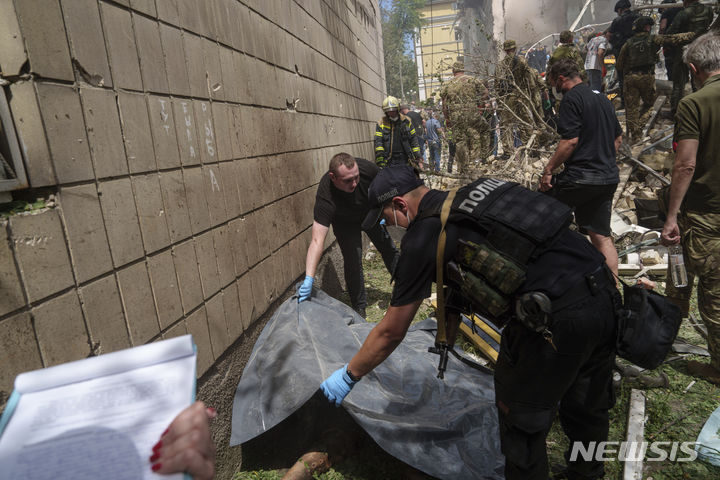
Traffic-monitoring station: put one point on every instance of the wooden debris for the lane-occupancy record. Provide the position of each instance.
(635, 435)
(683, 347)
(625, 171)
(648, 169)
(687, 389)
(659, 102)
(630, 270)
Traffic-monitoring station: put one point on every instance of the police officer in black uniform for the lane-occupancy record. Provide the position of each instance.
(557, 349)
(619, 32)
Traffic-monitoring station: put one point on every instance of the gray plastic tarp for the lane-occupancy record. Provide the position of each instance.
(446, 428)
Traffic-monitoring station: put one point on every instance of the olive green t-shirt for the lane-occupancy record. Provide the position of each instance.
(698, 118)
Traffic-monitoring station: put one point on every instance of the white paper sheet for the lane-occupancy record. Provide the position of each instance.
(100, 427)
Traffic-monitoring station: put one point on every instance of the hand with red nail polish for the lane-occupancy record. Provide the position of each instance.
(187, 446)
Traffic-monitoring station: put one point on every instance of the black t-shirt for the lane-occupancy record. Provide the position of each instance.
(554, 272)
(621, 29)
(417, 124)
(335, 206)
(396, 147)
(590, 117)
(669, 14)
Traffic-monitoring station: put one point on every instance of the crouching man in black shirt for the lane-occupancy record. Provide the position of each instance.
(565, 365)
(342, 201)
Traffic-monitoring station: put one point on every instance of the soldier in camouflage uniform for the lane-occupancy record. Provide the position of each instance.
(693, 210)
(520, 93)
(696, 18)
(636, 63)
(463, 102)
(567, 49)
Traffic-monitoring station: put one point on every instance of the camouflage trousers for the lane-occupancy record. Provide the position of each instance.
(637, 87)
(472, 142)
(701, 249)
(515, 122)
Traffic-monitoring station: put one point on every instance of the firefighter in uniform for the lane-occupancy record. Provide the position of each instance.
(637, 61)
(507, 252)
(694, 18)
(396, 142)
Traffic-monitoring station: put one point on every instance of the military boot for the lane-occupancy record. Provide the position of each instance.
(704, 371)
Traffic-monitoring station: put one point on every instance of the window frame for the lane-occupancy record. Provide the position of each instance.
(16, 158)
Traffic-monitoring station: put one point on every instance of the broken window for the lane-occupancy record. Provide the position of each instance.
(12, 171)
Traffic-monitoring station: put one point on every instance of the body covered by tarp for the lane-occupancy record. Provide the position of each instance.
(446, 428)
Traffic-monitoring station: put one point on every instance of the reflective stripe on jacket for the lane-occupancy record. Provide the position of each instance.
(384, 132)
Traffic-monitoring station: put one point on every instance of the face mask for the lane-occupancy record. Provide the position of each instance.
(395, 218)
(394, 119)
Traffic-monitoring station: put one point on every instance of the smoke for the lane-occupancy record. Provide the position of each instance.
(528, 21)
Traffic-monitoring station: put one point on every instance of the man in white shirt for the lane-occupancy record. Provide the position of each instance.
(594, 60)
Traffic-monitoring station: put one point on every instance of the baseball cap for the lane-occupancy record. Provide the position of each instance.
(390, 182)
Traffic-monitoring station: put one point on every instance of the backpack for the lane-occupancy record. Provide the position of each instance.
(506, 85)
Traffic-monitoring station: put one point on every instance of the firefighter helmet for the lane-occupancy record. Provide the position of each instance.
(390, 103)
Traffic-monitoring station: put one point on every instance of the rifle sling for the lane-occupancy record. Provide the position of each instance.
(441, 337)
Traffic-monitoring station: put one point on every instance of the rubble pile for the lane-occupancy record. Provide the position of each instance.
(636, 220)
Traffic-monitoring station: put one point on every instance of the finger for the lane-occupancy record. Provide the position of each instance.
(211, 413)
(328, 394)
(190, 461)
(196, 440)
(193, 417)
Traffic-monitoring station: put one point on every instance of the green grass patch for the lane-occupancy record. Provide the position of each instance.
(19, 206)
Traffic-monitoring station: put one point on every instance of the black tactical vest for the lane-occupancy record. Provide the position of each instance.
(642, 53)
(700, 18)
(518, 224)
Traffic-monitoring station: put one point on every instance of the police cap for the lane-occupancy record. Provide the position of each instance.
(390, 182)
(509, 45)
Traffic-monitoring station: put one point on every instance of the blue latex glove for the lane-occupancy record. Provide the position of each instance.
(338, 385)
(382, 222)
(305, 289)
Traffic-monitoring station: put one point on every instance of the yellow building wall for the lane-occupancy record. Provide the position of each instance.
(437, 48)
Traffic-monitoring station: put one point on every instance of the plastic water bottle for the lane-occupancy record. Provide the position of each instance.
(677, 266)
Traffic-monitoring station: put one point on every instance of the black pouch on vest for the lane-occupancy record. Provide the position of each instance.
(647, 326)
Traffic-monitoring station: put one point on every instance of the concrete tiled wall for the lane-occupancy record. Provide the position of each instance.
(184, 140)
